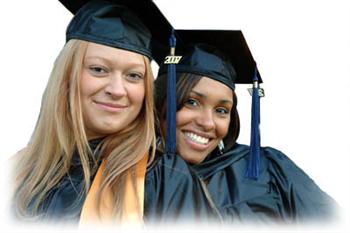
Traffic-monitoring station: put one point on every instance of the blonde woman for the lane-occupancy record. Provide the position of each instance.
(96, 117)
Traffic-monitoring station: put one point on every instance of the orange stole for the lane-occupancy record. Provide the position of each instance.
(131, 212)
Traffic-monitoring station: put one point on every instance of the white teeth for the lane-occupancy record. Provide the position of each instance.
(196, 138)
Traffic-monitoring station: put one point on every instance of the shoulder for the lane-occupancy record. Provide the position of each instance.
(169, 169)
(269, 156)
(274, 156)
(278, 170)
(277, 162)
(282, 169)
(272, 160)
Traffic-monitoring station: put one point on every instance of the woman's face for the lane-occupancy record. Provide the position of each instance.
(112, 89)
(203, 120)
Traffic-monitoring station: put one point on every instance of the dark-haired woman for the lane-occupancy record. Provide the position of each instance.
(206, 180)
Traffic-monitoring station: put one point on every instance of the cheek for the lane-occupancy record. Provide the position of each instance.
(89, 85)
(182, 117)
(222, 128)
(137, 94)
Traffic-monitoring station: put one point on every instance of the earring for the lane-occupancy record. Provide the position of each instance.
(221, 146)
(159, 144)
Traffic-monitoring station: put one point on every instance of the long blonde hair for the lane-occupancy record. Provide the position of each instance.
(60, 131)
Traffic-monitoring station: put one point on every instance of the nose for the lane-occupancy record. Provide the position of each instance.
(205, 120)
(116, 87)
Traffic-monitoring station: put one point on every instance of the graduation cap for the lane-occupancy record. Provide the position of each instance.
(134, 25)
(224, 56)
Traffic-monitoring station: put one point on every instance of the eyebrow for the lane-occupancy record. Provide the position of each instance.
(199, 94)
(141, 65)
(97, 58)
(222, 101)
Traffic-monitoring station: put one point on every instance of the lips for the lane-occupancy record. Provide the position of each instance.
(198, 141)
(197, 138)
(110, 107)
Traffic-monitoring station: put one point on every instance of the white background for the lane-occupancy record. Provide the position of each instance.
(302, 49)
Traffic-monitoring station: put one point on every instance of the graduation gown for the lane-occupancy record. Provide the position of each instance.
(68, 201)
(217, 190)
(65, 201)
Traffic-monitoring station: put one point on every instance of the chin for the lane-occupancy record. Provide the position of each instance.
(107, 131)
(193, 159)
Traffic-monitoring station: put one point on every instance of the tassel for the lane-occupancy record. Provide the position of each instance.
(253, 167)
(171, 101)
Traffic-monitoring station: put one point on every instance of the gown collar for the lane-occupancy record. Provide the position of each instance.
(214, 163)
(93, 144)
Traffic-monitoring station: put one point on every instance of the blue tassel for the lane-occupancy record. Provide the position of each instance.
(171, 102)
(253, 168)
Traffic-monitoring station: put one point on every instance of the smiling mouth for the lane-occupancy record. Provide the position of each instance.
(110, 107)
(197, 139)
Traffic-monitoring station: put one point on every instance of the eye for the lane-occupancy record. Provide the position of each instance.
(134, 76)
(222, 111)
(98, 70)
(191, 102)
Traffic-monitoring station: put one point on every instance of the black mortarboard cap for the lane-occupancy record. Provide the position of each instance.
(220, 54)
(134, 25)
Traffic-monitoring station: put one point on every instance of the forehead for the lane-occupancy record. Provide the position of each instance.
(113, 54)
(213, 89)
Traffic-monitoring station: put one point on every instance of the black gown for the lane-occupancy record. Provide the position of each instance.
(65, 201)
(217, 190)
